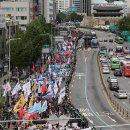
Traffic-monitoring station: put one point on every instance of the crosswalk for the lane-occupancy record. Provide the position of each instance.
(86, 112)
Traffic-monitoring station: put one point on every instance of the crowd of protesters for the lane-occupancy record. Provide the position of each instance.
(31, 103)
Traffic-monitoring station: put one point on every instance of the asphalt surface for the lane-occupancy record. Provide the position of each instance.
(124, 82)
(87, 93)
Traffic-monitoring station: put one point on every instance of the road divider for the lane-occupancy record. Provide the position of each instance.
(123, 112)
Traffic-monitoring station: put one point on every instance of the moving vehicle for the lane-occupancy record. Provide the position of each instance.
(112, 79)
(117, 72)
(110, 40)
(103, 51)
(115, 63)
(113, 86)
(94, 43)
(125, 66)
(105, 70)
(119, 49)
(119, 40)
(120, 94)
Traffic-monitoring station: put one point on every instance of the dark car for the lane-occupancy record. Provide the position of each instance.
(113, 86)
(118, 72)
(110, 40)
(105, 40)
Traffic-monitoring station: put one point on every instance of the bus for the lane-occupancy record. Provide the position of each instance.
(115, 63)
(103, 51)
(94, 43)
(125, 67)
(119, 40)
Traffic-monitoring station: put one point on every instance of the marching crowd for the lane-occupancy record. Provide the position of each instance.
(32, 103)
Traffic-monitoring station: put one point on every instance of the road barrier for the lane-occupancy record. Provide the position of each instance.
(116, 105)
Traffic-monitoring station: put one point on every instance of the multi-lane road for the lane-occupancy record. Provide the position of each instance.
(87, 93)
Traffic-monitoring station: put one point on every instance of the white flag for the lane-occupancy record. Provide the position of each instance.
(16, 88)
(6, 88)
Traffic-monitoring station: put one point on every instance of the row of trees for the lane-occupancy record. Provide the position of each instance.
(74, 17)
(124, 23)
(27, 45)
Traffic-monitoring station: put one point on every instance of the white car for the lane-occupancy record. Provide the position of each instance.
(105, 70)
(120, 94)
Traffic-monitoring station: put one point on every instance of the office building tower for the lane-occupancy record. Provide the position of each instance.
(76, 3)
(85, 7)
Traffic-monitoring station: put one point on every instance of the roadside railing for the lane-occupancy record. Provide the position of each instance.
(115, 104)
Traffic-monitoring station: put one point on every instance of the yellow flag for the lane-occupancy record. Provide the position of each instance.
(34, 87)
(21, 102)
(31, 101)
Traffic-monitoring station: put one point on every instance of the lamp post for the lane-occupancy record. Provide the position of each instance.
(13, 39)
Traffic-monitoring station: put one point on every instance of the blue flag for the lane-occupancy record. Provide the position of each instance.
(35, 108)
(44, 107)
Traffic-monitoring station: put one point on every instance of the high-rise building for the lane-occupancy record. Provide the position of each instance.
(46, 8)
(85, 7)
(62, 5)
(22, 11)
(76, 3)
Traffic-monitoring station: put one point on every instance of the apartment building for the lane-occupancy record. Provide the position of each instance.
(62, 5)
(47, 9)
(23, 11)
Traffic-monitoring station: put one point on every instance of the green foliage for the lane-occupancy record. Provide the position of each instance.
(27, 49)
(74, 17)
(124, 23)
(60, 17)
(2, 101)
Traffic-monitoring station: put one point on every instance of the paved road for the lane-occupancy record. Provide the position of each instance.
(87, 94)
(124, 82)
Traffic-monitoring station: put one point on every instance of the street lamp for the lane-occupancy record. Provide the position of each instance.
(11, 39)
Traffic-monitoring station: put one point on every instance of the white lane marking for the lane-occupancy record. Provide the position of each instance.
(72, 86)
(128, 82)
(85, 59)
(86, 97)
(97, 113)
(111, 119)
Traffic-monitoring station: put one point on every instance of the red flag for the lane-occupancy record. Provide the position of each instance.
(21, 113)
(42, 69)
(30, 116)
(44, 87)
(33, 68)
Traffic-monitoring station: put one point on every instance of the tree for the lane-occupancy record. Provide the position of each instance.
(60, 17)
(28, 48)
(124, 23)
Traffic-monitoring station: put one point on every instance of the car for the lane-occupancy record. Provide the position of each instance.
(105, 65)
(127, 58)
(102, 58)
(112, 79)
(105, 40)
(105, 70)
(117, 72)
(110, 40)
(110, 54)
(120, 94)
(113, 86)
(121, 58)
(119, 49)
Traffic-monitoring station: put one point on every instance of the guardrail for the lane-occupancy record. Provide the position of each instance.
(116, 105)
